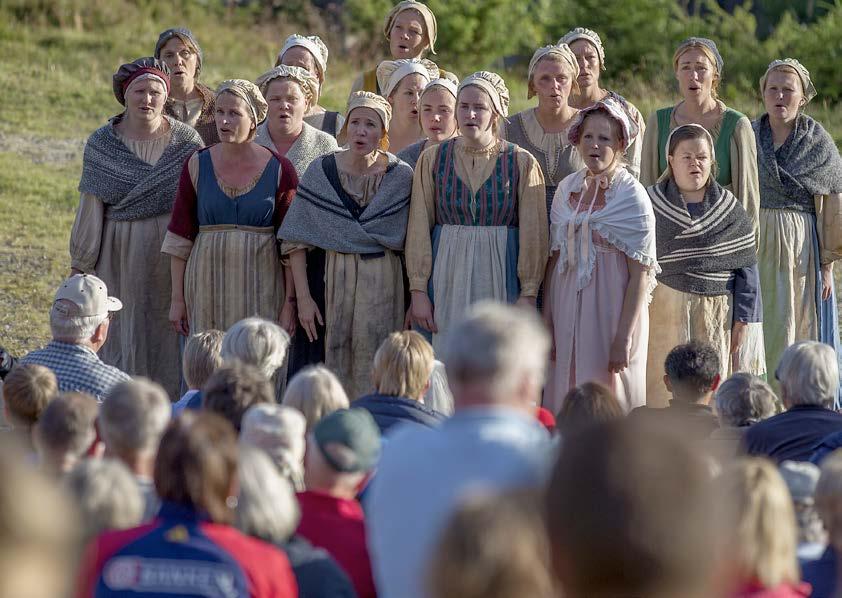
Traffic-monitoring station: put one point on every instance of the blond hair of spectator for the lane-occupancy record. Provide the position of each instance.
(133, 417)
(66, 431)
(202, 356)
(267, 508)
(107, 495)
(493, 547)
(766, 536)
(257, 342)
(829, 497)
(315, 391)
(27, 391)
(402, 365)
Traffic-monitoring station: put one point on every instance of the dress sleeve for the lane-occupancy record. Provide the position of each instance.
(748, 305)
(86, 235)
(184, 221)
(744, 178)
(422, 217)
(533, 234)
(829, 226)
(287, 185)
(649, 153)
(635, 151)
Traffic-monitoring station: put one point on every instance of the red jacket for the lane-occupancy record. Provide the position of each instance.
(785, 590)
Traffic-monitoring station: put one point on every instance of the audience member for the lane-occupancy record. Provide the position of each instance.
(342, 450)
(494, 547)
(809, 379)
(316, 392)
(107, 496)
(267, 509)
(132, 420)
(260, 343)
(401, 374)
(202, 356)
(191, 547)
(741, 401)
(801, 478)
(616, 530)
(822, 573)
(438, 397)
(233, 388)
(586, 405)
(278, 431)
(27, 391)
(66, 432)
(496, 361)
(79, 322)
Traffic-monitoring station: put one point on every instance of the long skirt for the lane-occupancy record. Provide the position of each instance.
(470, 264)
(141, 341)
(585, 323)
(364, 302)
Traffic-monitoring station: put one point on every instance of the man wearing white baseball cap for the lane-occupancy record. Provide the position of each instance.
(79, 322)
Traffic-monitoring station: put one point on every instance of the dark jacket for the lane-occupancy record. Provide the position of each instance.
(821, 574)
(317, 574)
(694, 419)
(388, 411)
(794, 434)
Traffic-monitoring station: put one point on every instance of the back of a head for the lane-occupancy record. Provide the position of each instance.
(438, 396)
(202, 356)
(586, 405)
(743, 400)
(809, 374)
(493, 547)
(279, 431)
(693, 369)
(233, 388)
(402, 365)
(267, 507)
(66, 426)
(500, 348)
(196, 465)
(27, 391)
(257, 342)
(107, 495)
(829, 497)
(316, 392)
(622, 502)
(345, 447)
(133, 417)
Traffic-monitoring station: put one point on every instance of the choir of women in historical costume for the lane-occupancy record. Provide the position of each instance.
(231, 199)
(289, 92)
(709, 285)
(436, 115)
(189, 101)
(602, 266)
(401, 83)
(800, 217)
(130, 174)
(478, 218)
(310, 53)
(353, 204)
(590, 54)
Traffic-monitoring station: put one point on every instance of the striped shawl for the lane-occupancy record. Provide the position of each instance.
(700, 256)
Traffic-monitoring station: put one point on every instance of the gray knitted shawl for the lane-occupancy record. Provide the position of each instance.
(130, 188)
(323, 214)
(412, 153)
(700, 256)
(311, 144)
(807, 164)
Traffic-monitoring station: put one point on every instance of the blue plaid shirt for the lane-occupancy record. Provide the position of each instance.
(77, 368)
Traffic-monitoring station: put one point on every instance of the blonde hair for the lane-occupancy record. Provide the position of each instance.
(403, 364)
(27, 391)
(202, 355)
(765, 531)
(316, 392)
(574, 87)
(709, 55)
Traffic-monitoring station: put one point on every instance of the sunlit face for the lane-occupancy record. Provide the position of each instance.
(408, 36)
(438, 114)
(552, 81)
(588, 58)
(287, 105)
(234, 122)
(783, 95)
(691, 163)
(145, 99)
(300, 56)
(182, 61)
(365, 130)
(696, 74)
(599, 142)
(404, 98)
(475, 114)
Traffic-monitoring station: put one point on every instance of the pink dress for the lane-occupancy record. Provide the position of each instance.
(589, 286)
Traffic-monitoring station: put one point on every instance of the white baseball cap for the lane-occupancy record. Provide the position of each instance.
(84, 295)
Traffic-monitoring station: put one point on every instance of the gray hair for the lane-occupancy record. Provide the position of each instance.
(257, 342)
(439, 397)
(73, 329)
(497, 344)
(743, 400)
(279, 431)
(133, 417)
(108, 496)
(809, 374)
(315, 391)
(266, 507)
